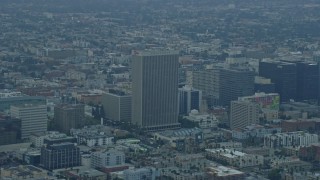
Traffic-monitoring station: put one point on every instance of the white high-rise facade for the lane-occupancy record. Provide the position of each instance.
(155, 90)
(33, 118)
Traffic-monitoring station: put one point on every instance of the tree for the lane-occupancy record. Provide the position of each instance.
(275, 174)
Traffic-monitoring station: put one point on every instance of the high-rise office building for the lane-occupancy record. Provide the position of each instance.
(155, 90)
(221, 85)
(265, 85)
(68, 116)
(284, 75)
(235, 83)
(307, 81)
(58, 156)
(117, 105)
(10, 130)
(33, 118)
(243, 114)
(189, 99)
(208, 81)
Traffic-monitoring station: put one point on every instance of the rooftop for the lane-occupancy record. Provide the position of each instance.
(223, 171)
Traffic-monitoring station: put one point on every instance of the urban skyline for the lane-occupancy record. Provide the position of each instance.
(160, 89)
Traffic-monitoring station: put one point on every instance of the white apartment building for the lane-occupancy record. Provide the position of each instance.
(90, 136)
(107, 159)
(94, 139)
(290, 139)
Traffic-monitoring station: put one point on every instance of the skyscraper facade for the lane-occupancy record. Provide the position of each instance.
(155, 90)
(221, 85)
(284, 75)
(189, 99)
(33, 118)
(307, 81)
(235, 83)
(67, 116)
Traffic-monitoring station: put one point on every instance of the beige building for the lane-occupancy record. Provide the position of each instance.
(243, 114)
(68, 116)
(117, 106)
(155, 90)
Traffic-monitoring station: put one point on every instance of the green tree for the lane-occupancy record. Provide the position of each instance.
(275, 174)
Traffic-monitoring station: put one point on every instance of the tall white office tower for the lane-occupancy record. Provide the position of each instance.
(33, 118)
(155, 90)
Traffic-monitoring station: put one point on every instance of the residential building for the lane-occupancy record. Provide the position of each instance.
(290, 139)
(139, 174)
(91, 138)
(189, 99)
(83, 173)
(107, 159)
(57, 138)
(243, 114)
(23, 172)
(234, 158)
(33, 118)
(49, 138)
(311, 153)
(217, 172)
(117, 106)
(69, 116)
(58, 156)
(189, 161)
(229, 145)
(254, 131)
(269, 104)
(155, 90)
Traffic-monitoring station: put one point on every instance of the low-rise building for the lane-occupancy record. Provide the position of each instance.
(215, 172)
(50, 137)
(23, 172)
(228, 145)
(59, 156)
(290, 139)
(254, 131)
(181, 174)
(107, 159)
(234, 158)
(310, 153)
(203, 120)
(291, 165)
(190, 161)
(91, 137)
(141, 173)
(83, 173)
